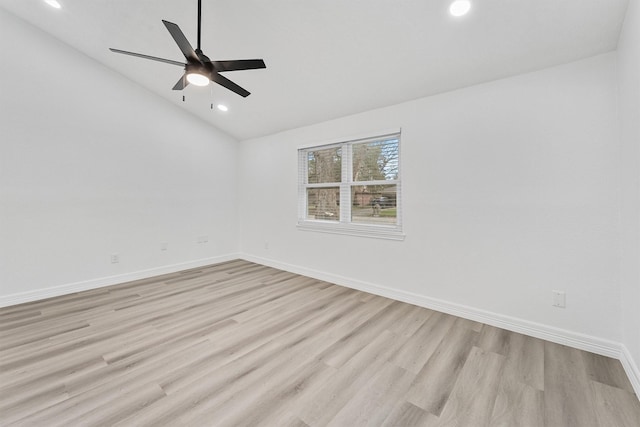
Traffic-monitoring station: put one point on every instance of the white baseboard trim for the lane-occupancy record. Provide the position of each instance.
(22, 297)
(557, 335)
(631, 369)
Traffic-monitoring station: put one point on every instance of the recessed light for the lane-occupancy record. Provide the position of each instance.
(222, 107)
(460, 7)
(53, 3)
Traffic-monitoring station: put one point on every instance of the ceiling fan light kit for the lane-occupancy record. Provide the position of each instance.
(196, 75)
(199, 70)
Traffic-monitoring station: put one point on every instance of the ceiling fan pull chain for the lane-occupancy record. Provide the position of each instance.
(184, 76)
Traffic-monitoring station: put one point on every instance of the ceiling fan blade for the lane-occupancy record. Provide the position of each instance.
(241, 64)
(223, 81)
(181, 41)
(182, 83)
(153, 58)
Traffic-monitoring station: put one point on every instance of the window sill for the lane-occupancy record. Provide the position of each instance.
(371, 231)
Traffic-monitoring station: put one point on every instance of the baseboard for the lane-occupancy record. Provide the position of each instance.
(631, 369)
(557, 335)
(22, 297)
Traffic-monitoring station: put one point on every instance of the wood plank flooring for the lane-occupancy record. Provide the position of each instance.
(240, 344)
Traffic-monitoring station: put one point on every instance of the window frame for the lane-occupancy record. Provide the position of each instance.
(345, 225)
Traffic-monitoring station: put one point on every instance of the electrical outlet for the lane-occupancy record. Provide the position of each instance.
(164, 246)
(559, 299)
(203, 239)
(266, 245)
(115, 258)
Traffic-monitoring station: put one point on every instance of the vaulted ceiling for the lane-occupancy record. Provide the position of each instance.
(328, 58)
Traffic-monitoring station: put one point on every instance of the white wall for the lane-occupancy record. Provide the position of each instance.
(629, 89)
(92, 164)
(510, 192)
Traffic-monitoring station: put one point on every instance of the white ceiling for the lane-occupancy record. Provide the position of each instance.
(329, 58)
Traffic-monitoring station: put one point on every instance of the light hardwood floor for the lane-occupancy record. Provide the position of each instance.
(239, 344)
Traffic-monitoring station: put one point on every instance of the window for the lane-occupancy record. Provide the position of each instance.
(352, 187)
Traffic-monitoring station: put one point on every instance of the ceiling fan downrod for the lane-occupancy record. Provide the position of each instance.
(199, 22)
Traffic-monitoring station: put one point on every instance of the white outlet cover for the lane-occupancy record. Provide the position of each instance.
(559, 299)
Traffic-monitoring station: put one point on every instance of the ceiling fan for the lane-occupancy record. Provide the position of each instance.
(199, 70)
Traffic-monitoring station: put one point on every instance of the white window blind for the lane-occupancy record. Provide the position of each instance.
(352, 187)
